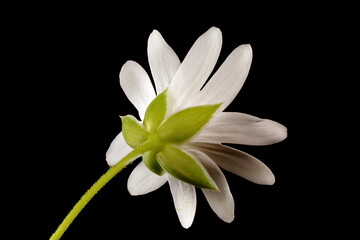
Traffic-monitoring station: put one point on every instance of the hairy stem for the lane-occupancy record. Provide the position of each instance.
(90, 193)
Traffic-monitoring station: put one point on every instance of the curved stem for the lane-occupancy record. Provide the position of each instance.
(104, 179)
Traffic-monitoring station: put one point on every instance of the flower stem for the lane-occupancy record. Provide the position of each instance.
(102, 181)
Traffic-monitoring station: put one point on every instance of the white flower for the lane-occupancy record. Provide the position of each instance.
(184, 81)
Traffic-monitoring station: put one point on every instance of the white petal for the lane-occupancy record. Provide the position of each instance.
(240, 128)
(137, 86)
(222, 201)
(196, 68)
(142, 180)
(237, 162)
(184, 196)
(163, 61)
(117, 150)
(228, 79)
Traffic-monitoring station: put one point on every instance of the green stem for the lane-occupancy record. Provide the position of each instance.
(104, 179)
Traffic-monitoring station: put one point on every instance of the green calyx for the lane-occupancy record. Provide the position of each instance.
(164, 135)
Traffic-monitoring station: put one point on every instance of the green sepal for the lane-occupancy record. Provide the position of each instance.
(155, 113)
(151, 163)
(133, 131)
(185, 124)
(184, 167)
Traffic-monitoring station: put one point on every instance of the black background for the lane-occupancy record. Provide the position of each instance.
(71, 59)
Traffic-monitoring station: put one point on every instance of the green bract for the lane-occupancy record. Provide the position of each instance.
(184, 167)
(155, 113)
(165, 135)
(151, 162)
(133, 131)
(183, 125)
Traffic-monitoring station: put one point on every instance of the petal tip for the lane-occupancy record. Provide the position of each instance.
(281, 133)
(247, 46)
(129, 64)
(269, 179)
(186, 226)
(229, 219)
(246, 49)
(108, 161)
(154, 33)
(215, 31)
(277, 131)
(213, 28)
(186, 222)
(132, 193)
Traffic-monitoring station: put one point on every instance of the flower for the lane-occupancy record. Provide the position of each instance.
(183, 82)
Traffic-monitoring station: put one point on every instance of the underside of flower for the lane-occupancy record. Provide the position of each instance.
(183, 128)
(166, 135)
(186, 125)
